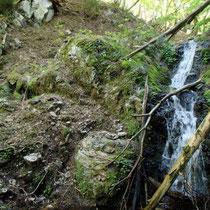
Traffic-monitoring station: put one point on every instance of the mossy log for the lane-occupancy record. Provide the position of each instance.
(193, 144)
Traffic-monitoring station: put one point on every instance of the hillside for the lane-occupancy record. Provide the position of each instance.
(67, 101)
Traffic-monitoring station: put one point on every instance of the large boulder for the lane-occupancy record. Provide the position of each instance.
(41, 10)
(95, 178)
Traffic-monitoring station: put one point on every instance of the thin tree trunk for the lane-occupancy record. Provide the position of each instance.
(173, 30)
(193, 144)
(133, 5)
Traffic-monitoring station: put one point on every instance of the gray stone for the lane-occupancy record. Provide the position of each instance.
(19, 20)
(50, 15)
(43, 10)
(53, 114)
(18, 43)
(33, 157)
(25, 6)
(122, 134)
(35, 101)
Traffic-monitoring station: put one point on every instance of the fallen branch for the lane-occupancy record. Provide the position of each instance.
(170, 193)
(193, 144)
(172, 31)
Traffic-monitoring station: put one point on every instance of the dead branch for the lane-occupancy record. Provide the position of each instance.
(193, 144)
(172, 31)
(174, 195)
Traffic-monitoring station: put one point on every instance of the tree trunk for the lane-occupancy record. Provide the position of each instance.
(173, 30)
(187, 153)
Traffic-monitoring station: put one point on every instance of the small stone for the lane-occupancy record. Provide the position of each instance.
(67, 31)
(35, 101)
(57, 110)
(4, 190)
(122, 134)
(58, 103)
(18, 43)
(33, 157)
(53, 114)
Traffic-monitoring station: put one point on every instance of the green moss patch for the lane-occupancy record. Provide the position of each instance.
(207, 97)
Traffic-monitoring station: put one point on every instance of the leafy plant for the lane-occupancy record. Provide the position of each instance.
(169, 54)
(207, 97)
(6, 5)
(206, 55)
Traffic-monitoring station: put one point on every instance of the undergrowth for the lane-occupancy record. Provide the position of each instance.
(6, 5)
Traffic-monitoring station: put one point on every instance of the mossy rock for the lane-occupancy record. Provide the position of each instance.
(17, 83)
(95, 179)
(91, 58)
(49, 81)
(45, 81)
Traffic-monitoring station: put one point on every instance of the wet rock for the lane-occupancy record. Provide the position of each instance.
(33, 157)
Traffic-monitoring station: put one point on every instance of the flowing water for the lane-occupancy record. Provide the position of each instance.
(181, 125)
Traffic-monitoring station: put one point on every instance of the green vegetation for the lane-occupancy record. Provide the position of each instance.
(207, 97)
(91, 7)
(206, 55)
(6, 5)
(124, 164)
(169, 54)
(48, 190)
(4, 90)
(5, 156)
(83, 184)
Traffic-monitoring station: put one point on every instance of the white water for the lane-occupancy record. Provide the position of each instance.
(181, 125)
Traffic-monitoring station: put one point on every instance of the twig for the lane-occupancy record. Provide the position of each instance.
(38, 184)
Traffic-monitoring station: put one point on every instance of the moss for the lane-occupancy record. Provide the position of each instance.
(14, 77)
(132, 126)
(17, 82)
(83, 183)
(206, 55)
(111, 180)
(206, 76)
(4, 90)
(31, 133)
(158, 77)
(5, 156)
(207, 97)
(48, 81)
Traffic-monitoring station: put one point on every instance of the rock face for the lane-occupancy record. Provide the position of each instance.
(94, 177)
(41, 10)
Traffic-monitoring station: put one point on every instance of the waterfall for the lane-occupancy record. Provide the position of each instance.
(181, 125)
